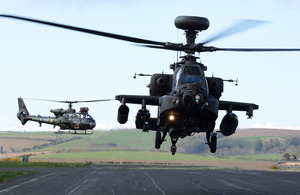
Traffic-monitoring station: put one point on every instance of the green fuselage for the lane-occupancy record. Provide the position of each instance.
(72, 121)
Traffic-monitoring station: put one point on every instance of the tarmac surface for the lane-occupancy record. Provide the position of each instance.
(151, 179)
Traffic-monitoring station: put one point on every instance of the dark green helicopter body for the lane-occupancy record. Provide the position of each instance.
(65, 119)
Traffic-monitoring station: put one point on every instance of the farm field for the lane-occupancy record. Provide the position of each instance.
(121, 146)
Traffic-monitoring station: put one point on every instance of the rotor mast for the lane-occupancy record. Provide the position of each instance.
(70, 105)
(192, 25)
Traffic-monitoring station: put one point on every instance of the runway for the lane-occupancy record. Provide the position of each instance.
(151, 179)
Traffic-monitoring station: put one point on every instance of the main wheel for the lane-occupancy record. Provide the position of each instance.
(158, 140)
(213, 144)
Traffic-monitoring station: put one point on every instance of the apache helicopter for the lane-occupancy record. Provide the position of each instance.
(188, 101)
(66, 119)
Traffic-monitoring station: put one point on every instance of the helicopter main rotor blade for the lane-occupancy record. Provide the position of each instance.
(94, 32)
(176, 48)
(87, 101)
(70, 102)
(45, 100)
(200, 48)
(239, 27)
(257, 49)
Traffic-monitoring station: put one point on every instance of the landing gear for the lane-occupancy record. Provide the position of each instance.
(173, 147)
(211, 138)
(213, 143)
(159, 140)
(78, 132)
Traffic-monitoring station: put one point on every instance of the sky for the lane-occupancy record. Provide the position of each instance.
(45, 62)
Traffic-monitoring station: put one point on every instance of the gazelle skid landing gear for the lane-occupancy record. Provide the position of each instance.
(211, 138)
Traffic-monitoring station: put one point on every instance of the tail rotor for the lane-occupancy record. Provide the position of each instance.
(23, 112)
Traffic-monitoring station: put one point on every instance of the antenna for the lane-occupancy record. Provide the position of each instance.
(231, 81)
(141, 75)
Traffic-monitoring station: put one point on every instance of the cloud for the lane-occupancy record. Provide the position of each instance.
(108, 126)
(31, 127)
(7, 125)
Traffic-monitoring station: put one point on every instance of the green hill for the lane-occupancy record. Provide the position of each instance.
(135, 144)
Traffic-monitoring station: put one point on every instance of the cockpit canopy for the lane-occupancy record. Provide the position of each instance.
(191, 74)
(84, 117)
(186, 74)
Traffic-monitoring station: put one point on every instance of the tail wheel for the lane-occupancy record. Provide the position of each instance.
(158, 140)
(173, 149)
(213, 144)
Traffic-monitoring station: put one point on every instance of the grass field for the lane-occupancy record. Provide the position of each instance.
(130, 155)
(121, 145)
(259, 157)
(42, 164)
(6, 175)
(109, 140)
(38, 135)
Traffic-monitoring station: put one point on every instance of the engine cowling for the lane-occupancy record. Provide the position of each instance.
(229, 124)
(123, 112)
(160, 84)
(59, 111)
(215, 86)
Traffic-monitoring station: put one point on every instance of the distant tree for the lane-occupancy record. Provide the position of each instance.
(258, 145)
(286, 156)
(295, 151)
(293, 141)
(273, 145)
(193, 145)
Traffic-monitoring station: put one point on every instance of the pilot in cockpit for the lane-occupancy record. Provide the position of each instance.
(189, 70)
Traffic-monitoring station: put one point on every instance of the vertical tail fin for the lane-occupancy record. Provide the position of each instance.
(23, 112)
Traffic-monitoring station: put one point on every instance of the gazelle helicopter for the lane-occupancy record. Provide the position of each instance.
(188, 102)
(68, 120)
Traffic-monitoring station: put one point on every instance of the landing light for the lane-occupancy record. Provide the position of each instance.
(172, 117)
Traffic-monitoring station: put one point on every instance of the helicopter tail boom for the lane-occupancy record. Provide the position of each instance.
(23, 112)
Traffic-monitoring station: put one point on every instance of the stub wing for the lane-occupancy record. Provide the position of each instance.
(138, 99)
(238, 106)
(229, 106)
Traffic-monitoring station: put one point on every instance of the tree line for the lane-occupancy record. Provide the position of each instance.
(242, 146)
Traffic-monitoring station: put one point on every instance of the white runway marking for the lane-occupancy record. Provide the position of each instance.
(155, 183)
(79, 181)
(7, 190)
